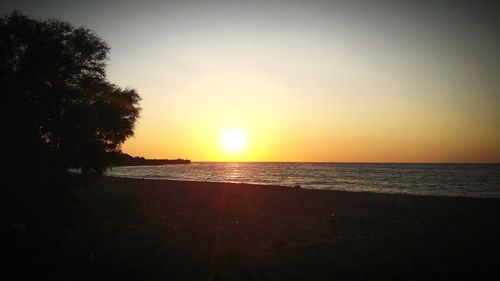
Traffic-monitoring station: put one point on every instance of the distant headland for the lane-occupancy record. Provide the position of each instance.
(124, 159)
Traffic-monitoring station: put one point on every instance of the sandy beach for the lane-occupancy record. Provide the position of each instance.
(132, 229)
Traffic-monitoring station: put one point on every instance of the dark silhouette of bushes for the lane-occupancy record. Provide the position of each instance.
(58, 109)
(116, 158)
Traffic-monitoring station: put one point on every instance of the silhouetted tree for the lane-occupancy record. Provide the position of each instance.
(58, 108)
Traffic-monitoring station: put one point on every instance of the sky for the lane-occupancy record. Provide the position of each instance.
(320, 81)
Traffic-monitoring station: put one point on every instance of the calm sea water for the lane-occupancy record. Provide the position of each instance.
(468, 180)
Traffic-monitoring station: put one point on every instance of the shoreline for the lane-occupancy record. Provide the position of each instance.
(305, 188)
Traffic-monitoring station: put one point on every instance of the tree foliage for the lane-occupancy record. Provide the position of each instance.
(58, 108)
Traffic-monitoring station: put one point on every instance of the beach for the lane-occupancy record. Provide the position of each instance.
(134, 229)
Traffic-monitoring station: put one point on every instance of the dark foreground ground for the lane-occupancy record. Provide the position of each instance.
(124, 229)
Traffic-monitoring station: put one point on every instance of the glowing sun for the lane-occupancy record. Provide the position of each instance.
(233, 140)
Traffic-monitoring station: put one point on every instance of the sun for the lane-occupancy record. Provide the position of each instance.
(233, 141)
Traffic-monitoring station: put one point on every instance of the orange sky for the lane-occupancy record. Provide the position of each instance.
(304, 80)
(321, 88)
(287, 119)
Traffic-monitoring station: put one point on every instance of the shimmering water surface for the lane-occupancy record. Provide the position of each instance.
(469, 180)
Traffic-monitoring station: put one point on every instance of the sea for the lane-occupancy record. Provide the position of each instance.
(456, 180)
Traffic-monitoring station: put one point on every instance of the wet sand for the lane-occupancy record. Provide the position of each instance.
(133, 229)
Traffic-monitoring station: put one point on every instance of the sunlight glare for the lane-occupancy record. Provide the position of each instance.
(233, 140)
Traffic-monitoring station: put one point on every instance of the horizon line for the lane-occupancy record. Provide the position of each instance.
(347, 162)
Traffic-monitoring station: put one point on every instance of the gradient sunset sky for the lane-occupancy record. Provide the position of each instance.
(335, 81)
